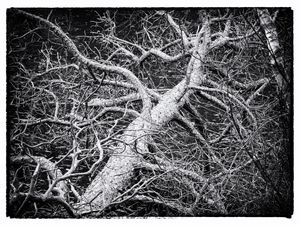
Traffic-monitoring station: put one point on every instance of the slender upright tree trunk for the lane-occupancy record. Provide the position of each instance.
(274, 47)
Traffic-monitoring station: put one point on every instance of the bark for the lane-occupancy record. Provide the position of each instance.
(118, 171)
(274, 47)
(51, 168)
(128, 151)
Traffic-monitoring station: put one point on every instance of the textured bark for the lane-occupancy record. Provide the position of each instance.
(129, 148)
(50, 167)
(118, 172)
(274, 47)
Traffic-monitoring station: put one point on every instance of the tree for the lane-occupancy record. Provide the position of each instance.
(145, 112)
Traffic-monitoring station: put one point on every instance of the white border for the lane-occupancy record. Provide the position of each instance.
(149, 3)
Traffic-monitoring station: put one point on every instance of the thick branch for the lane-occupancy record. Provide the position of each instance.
(112, 102)
(90, 63)
(50, 167)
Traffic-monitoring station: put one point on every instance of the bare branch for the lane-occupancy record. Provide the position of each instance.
(50, 167)
(88, 62)
(232, 97)
(116, 101)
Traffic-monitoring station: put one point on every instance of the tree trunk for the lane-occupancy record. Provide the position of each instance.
(274, 47)
(118, 172)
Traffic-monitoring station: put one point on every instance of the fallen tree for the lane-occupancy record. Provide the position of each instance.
(100, 114)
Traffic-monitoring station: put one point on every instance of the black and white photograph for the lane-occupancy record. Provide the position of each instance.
(149, 112)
